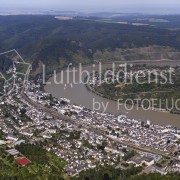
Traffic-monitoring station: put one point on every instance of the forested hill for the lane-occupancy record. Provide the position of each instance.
(44, 39)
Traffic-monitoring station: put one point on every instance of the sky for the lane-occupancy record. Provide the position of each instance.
(89, 4)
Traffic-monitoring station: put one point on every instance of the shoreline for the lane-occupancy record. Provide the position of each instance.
(155, 117)
(103, 96)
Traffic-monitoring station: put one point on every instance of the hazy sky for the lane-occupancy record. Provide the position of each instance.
(88, 4)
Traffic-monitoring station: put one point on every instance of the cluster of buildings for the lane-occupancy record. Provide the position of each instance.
(164, 139)
(94, 139)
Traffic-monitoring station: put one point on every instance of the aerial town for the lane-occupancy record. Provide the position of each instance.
(89, 90)
(82, 138)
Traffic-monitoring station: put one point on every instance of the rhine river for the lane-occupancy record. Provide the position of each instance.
(78, 94)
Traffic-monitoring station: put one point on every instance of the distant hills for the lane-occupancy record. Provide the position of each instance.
(46, 40)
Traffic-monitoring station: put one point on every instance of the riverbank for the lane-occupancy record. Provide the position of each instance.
(89, 88)
(79, 94)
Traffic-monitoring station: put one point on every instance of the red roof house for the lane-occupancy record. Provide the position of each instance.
(23, 161)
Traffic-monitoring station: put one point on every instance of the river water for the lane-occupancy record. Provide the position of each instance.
(78, 94)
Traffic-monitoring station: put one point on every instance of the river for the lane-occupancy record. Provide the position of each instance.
(78, 94)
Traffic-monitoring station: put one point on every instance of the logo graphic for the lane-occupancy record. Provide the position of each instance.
(14, 73)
